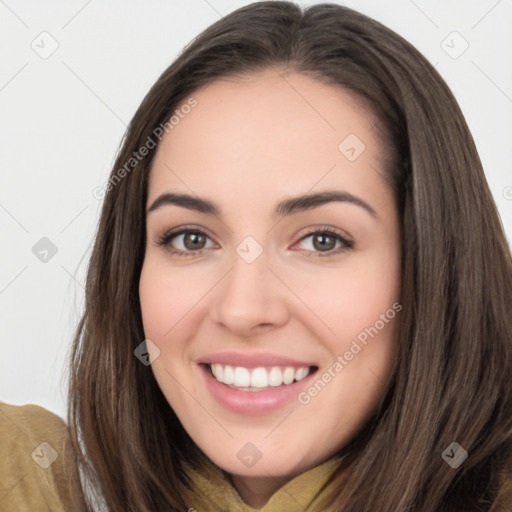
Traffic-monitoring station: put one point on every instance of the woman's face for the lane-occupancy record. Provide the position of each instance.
(298, 324)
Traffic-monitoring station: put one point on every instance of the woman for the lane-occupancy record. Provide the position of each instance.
(299, 293)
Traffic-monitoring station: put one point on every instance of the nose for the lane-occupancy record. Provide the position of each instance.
(250, 298)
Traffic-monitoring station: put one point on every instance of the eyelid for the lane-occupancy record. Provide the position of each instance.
(322, 228)
(170, 234)
(346, 240)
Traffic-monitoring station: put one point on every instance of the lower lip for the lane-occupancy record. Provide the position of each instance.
(253, 402)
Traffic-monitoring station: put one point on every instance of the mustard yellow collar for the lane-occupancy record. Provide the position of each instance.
(214, 492)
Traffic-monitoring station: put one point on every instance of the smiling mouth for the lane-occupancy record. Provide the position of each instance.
(262, 378)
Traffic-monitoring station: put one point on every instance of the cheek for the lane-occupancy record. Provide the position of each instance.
(362, 307)
(166, 297)
(156, 303)
(165, 301)
(351, 298)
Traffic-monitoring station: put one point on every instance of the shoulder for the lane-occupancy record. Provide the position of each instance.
(30, 420)
(37, 465)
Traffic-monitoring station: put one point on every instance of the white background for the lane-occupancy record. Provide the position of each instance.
(62, 118)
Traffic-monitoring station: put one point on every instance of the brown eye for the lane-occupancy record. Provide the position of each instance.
(185, 242)
(193, 241)
(323, 242)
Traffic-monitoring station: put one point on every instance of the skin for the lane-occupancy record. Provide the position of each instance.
(248, 144)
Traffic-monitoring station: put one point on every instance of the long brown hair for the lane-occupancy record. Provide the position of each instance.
(454, 366)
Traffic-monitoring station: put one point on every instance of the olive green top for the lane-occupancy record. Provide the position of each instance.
(214, 492)
(37, 468)
(38, 472)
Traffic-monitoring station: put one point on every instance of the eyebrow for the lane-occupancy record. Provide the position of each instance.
(286, 207)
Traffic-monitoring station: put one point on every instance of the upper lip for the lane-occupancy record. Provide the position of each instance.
(251, 360)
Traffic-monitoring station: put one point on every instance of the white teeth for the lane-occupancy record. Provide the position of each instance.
(301, 373)
(259, 378)
(217, 371)
(288, 375)
(275, 377)
(229, 376)
(242, 377)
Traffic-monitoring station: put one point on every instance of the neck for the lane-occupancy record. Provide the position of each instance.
(256, 491)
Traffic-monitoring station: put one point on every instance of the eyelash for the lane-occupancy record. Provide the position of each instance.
(165, 239)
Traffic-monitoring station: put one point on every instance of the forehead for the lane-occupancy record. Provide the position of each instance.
(270, 129)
